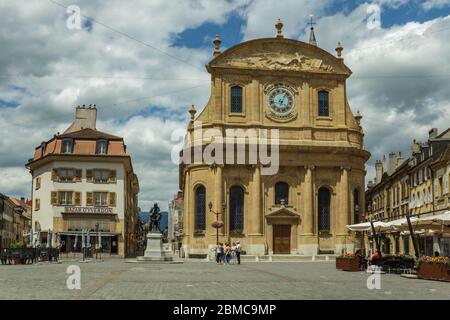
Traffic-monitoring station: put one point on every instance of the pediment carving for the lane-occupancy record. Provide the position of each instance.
(278, 56)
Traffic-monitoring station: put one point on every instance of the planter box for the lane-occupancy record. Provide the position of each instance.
(347, 264)
(433, 271)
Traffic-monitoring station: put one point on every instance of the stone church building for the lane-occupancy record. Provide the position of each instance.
(299, 89)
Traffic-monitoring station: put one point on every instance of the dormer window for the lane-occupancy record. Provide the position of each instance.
(236, 99)
(102, 147)
(67, 146)
(324, 109)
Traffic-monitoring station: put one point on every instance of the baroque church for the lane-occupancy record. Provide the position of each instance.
(318, 189)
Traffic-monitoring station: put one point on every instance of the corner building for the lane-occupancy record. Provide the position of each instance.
(84, 179)
(299, 89)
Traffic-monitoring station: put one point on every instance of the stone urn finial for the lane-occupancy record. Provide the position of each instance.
(192, 111)
(339, 50)
(217, 43)
(279, 27)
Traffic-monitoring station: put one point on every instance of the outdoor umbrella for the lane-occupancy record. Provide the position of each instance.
(49, 239)
(38, 239)
(31, 237)
(58, 241)
(365, 226)
(88, 239)
(75, 243)
(83, 239)
(99, 240)
(439, 220)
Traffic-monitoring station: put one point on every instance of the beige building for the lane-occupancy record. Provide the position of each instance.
(304, 207)
(417, 186)
(83, 179)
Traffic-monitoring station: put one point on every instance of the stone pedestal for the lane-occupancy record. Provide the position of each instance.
(154, 251)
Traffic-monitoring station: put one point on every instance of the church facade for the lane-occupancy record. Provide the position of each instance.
(298, 90)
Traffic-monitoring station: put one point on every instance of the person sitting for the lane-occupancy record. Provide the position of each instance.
(436, 254)
(375, 258)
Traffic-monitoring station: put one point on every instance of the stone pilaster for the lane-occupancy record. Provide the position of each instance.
(342, 216)
(309, 216)
(255, 225)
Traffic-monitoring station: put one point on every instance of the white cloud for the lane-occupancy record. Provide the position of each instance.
(108, 69)
(435, 4)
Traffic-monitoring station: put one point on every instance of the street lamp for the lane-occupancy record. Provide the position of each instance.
(217, 224)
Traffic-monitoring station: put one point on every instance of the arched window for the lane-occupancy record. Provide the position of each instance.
(281, 192)
(323, 104)
(236, 209)
(236, 99)
(200, 208)
(356, 206)
(324, 200)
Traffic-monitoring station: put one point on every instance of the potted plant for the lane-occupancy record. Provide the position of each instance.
(434, 268)
(347, 262)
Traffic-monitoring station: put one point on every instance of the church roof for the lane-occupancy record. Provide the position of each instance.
(279, 54)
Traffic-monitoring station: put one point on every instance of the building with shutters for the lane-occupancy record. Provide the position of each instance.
(297, 90)
(84, 179)
(418, 186)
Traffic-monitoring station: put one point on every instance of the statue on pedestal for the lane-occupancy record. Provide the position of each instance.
(155, 219)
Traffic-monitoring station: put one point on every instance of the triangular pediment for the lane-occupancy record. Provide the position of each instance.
(283, 212)
(279, 55)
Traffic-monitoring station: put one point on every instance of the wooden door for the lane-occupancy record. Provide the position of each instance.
(281, 239)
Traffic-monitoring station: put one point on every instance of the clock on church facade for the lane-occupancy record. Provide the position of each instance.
(299, 91)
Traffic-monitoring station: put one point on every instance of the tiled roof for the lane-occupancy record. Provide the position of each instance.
(90, 134)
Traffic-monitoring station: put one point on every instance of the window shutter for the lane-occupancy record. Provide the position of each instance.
(54, 198)
(89, 176)
(112, 199)
(89, 199)
(78, 173)
(77, 198)
(112, 176)
(55, 175)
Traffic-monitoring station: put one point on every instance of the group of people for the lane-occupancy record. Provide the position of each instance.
(228, 254)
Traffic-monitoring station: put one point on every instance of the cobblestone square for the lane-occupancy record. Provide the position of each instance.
(202, 280)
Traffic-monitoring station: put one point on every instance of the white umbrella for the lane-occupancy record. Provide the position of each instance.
(439, 220)
(99, 240)
(83, 239)
(75, 242)
(365, 226)
(88, 239)
(58, 241)
(38, 238)
(49, 239)
(31, 237)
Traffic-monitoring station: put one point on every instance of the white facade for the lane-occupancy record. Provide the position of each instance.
(47, 212)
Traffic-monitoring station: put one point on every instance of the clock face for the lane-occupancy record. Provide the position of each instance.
(281, 101)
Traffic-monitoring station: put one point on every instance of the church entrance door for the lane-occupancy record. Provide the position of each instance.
(281, 239)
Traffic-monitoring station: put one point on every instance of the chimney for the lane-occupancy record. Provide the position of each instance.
(393, 162)
(432, 134)
(85, 118)
(379, 171)
(399, 159)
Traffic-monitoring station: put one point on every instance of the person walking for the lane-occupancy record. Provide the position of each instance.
(238, 252)
(233, 253)
(218, 253)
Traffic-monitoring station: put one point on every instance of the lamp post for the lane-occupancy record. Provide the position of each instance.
(217, 224)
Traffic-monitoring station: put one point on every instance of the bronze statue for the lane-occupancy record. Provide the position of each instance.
(155, 218)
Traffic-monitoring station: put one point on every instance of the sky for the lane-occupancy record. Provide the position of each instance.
(142, 63)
